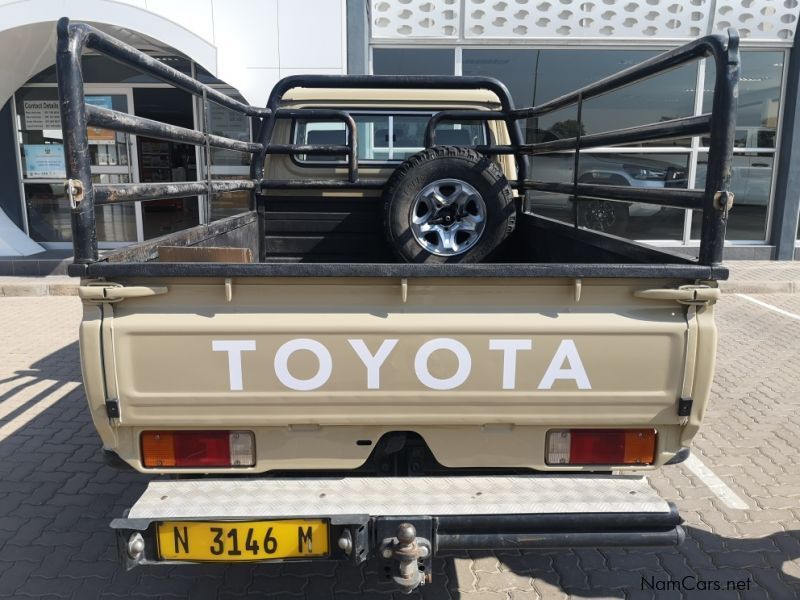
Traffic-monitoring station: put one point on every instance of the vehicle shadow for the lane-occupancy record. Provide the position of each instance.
(57, 367)
(706, 565)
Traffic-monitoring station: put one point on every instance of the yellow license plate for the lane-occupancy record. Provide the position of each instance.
(239, 541)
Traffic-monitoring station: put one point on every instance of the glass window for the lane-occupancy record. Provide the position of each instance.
(759, 98)
(229, 164)
(230, 124)
(43, 168)
(418, 61)
(755, 142)
(632, 220)
(751, 183)
(228, 204)
(49, 217)
(537, 76)
(385, 137)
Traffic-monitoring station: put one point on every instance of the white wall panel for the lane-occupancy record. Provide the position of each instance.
(310, 71)
(137, 3)
(194, 15)
(246, 31)
(311, 33)
(246, 36)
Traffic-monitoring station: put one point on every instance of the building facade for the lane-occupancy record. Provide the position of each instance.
(241, 46)
(539, 48)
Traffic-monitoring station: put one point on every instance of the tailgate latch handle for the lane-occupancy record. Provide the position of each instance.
(686, 294)
(114, 292)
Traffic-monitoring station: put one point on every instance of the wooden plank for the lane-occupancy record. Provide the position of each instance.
(204, 254)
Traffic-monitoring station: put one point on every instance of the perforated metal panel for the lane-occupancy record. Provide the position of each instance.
(415, 18)
(759, 19)
(585, 18)
(764, 20)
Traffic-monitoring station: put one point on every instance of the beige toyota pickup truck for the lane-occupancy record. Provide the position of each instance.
(391, 353)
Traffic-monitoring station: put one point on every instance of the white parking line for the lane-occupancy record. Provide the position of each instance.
(780, 311)
(714, 483)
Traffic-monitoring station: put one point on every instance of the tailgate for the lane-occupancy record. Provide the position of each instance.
(322, 368)
(343, 352)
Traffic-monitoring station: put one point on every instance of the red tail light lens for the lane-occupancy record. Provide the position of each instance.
(601, 447)
(212, 448)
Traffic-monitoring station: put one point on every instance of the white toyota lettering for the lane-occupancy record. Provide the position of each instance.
(566, 364)
(510, 348)
(566, 352)
(373, 362)
(234, 348)
(303, 385)
(424, 354)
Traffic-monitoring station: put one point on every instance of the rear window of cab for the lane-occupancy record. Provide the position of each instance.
(385, 137)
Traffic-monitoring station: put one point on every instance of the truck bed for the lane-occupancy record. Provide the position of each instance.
(303, 237)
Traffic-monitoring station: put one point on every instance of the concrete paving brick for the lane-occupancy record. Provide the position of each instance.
(39, 586)
(278, 584)
(547, 590)
(15, 577)
(591, 559)
(506, 580)
(435, 590)
(632, 560)
(524, 595)
(481, 562)
(319, 587)
(90, 587)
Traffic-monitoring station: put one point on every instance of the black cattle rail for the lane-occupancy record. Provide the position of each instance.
(714, 201)
(76, 116)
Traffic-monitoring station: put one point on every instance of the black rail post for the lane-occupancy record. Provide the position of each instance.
(76, 142)
(576, 165)
(720, 153)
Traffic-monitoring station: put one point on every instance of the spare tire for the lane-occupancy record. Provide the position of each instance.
(447, 204)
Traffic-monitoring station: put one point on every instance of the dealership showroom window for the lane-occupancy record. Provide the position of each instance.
(116, 158)
(534, 76)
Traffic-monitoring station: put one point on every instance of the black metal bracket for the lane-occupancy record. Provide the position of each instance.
(684, 407)
(112, 408)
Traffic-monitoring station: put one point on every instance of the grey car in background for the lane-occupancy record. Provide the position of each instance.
(604, 169)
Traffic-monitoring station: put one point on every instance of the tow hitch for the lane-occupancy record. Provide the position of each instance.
(409, 557)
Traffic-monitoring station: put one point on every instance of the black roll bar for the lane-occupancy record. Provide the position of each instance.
(76, 115)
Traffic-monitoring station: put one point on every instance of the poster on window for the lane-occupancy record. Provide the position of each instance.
(44, 161)
(96, 134)
(41, 114)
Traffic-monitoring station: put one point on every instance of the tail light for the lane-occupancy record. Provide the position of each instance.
(213, 448)
(601, 447)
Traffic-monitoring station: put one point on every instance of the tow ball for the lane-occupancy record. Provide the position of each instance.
(407, 555)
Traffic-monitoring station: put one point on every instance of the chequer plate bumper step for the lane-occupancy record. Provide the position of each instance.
(377, 496)
(363, 514)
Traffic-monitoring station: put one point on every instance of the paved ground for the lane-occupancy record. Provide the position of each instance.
(56, 497)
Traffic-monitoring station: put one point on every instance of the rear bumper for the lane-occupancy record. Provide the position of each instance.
(447, 512)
